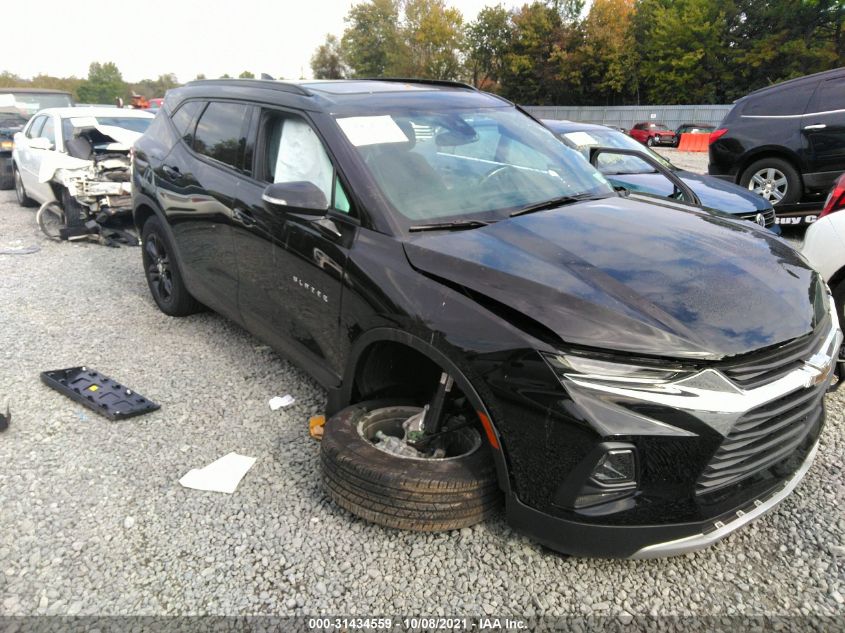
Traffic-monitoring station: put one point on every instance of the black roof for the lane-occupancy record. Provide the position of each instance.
(342, 95)
(836, 72)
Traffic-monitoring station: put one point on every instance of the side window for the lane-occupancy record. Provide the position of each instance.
(49, 130)
(35, 128)
(293, 152)
(220, 133)
(789, 101)
(184, 117)
(830, 95)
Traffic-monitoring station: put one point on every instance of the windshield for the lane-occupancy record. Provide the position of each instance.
(657, 126)
(605, 137)
(28, 103)
(463, 164)
(136, 124)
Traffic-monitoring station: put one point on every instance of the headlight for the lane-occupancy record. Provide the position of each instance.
(7, 145)
(600, 370)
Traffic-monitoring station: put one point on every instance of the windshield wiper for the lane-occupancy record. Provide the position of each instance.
(449, 226)
(556, 202)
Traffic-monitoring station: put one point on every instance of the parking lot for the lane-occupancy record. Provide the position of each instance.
(94, 520)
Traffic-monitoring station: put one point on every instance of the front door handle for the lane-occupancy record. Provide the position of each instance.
(244, 217)
(816, 126)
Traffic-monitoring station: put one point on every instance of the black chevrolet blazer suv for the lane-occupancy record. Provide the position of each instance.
(491, 320)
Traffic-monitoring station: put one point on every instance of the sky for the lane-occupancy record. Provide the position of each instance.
(148, 38)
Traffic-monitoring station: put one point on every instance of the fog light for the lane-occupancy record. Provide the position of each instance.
(612, 475)
(616, 467)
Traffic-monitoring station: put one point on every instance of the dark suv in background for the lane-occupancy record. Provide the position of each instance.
(17, 105)
(786, 142)
(487, 314)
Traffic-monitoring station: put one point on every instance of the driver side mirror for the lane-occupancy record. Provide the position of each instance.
(680, 186)
(300, 196)
(40, 143)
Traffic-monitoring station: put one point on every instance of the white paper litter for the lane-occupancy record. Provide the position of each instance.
(281, 401)
(222, 475)
(371, 130)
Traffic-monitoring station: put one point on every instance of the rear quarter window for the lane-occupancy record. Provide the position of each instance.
(785, 102)
(830, 96)
(184, 118)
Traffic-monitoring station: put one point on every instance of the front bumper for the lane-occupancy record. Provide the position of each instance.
(726, 455)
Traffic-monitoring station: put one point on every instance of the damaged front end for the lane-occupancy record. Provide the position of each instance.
(94, 180)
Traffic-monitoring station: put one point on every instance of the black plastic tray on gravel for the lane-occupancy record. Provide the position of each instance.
(98, 392)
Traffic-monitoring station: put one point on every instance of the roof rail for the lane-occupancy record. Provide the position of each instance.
(430, 82)
(255, 83)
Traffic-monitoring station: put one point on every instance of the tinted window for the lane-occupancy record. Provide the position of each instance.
(784, 102)
(35, 128)
(830, 95)
(220, 132)
(185, 116)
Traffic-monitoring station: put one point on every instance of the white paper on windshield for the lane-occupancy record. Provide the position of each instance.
(371, 130)
(581, 138)
(83, 121)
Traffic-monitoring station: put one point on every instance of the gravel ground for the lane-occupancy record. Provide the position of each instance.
(93, 520)
(691, 161)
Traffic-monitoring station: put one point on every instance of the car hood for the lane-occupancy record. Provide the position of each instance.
(624, 275)
(714, 193)
(719, 194)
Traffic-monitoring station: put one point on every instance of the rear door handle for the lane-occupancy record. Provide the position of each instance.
(243, 216)
(816, 126)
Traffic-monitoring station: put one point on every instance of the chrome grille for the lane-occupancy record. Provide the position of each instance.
(763, 437)
(762, 367)
(752, 217)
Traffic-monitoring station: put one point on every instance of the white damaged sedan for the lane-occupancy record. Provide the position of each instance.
(78, 157)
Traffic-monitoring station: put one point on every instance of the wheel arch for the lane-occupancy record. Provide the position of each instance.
(360, 354)
(770, 151)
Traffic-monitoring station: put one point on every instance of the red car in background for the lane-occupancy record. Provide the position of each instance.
(652, 134)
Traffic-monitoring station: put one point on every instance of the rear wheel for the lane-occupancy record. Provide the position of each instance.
(406, 492)
(650, 141)
(163, 273)
(20, 191)
(775, 179)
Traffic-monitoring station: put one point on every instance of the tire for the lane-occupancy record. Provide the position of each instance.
(775, 179)
(7, 178)
(425, 495)
(50, 218)
(75, 213)
(650, 141)
(163, 272)
(20, 191)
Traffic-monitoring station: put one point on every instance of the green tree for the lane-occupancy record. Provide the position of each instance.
(151, 88)
(432, 37)
(246, 75)
(529, 75)
(371, 41)
(608, 54)
(488, 39)
(684, 49)
(772, 41)
(327, 61)
(104, 84)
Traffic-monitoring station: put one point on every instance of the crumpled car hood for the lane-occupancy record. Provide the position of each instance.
(623, 275)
